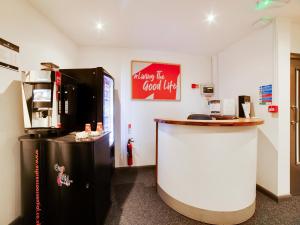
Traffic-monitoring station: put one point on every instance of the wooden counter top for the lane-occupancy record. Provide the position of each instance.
(234, 122)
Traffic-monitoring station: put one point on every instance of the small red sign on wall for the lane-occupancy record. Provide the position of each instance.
(273, 108)
(155, 81)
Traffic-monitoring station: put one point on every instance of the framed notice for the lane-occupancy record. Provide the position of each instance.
(265, 94)
(155, 81)
(8, 55)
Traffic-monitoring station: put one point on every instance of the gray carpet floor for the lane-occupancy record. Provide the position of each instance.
(135, 202)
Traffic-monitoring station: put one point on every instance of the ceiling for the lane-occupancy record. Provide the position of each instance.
(170, 25)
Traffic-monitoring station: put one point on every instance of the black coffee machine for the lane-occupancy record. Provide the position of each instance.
(49, 102)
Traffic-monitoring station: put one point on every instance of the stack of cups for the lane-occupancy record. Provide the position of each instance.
(99, 127)
(88, 128)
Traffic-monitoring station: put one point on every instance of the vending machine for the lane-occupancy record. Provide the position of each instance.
(95, 99)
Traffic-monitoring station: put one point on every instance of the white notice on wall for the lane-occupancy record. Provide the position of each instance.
(228, 107)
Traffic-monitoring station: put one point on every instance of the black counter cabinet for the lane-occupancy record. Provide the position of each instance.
(64, 181)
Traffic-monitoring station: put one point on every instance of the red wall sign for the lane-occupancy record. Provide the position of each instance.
(273, 108)
(155, 81)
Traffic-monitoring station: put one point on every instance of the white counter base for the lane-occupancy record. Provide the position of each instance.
(207, 216)
(208, 173)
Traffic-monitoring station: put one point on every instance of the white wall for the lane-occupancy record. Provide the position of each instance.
(39, 41)
(282, 77)
(243, 67)
(295, 38)
(264, 58)
(141, 114)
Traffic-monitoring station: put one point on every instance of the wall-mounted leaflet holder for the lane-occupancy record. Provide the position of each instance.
(9, 55)
(207, 90)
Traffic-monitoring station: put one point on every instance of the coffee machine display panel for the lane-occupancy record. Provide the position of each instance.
(42, 95)
(42, 105)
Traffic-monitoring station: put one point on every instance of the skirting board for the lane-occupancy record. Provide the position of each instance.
(17, 221)
(271, 195)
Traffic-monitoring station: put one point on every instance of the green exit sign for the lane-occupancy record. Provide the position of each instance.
(262, 4)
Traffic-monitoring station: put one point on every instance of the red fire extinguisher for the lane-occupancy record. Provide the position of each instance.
(129, 151)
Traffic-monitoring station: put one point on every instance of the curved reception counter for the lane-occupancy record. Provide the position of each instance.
(206, 169)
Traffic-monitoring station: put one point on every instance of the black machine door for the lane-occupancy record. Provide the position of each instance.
(88, 84)
(108, 107)
(94, 97)
(71, 188)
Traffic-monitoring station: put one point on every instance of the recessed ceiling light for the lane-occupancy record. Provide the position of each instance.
(211, 18)
(99, 26)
